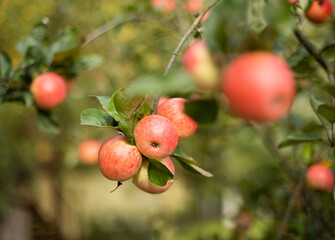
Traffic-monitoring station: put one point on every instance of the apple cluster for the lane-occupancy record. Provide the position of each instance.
(156, 137)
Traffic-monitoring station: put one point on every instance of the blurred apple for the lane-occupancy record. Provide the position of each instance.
(88, 151)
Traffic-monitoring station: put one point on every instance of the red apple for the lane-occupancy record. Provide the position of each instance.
(118, 160)
(141, 179)
(319, 177)
(193, 6)
(259, 86)
(88, 151)
(49, 90)
(319, 11)
(206, 16)
(293, 1)
(164, 5)
(173, 109)
(198, 62)
(155, 137)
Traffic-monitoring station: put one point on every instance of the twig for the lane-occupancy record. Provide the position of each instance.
(187, 35)
(107, 27)
(289, 208)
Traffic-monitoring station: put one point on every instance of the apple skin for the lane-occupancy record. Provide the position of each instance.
(193, 6)
(319, 177)
(259, 86)
(141, 179)
(49, 90)
(164, 5)
(155, 137)
(118, 160)
(197, 61)
(319, 11)
(173, 109)
(88, 151)
(293, 1)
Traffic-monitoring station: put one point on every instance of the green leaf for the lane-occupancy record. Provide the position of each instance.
(297, 138)
(315, 103)
(308, 153)
(158, 173)
(180, 155)
(104, 101)
(87, 62)
(331, 154)
(176, 82)
(327, 111)
(329, 89)
(126, 103)
(123, 124)
(5, 65)
(47, 122)
(28, 99)
(39, 31)
(98, 118)
(203, 111)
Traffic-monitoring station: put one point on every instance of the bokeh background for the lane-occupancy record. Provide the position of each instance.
(47, 193)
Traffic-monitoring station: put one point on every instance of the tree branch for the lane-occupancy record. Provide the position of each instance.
(187, 35)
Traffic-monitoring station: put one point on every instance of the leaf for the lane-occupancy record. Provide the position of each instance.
(98, 118)
(315, 103)
(179, 154)
(126, 103)
(203, 111)
(39, 31)
(331, 154)
(327, 111)
(104, 101)
(87, 62)
(125, 128)
(158, 173)
(297, 138)
(47, 122)
(189, 163)
(329, 89)
(28, 99)
(308, 153)
(5, 65)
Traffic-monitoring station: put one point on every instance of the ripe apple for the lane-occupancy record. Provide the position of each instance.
(88, 151)
(141, 179)
(319, 11)
(49, 90)
(164, 5)
(293, 1)
(155, 137)
(193, 6)
(319, 177)
(259, 86)
(118, 160)
(198, 62)
(173, 109)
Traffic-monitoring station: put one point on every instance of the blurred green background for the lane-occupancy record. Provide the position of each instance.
(47, 193)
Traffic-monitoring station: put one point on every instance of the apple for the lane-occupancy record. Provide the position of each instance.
(118, 160)
(193, 6)
(88, 151)
(206, 16)
(164, 5)
(141, 179)
(49, 90)
(155, 137)
(197, 61)
(293, 1)
(173, 109)
(319, 11)
(259, 86)
(319, 177)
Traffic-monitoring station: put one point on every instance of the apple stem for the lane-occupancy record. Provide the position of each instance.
(118, 185)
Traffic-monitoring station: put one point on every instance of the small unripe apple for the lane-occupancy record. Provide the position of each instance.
(319, 11)
(193, 6)
(319, 177)
(198, 62)
(259, 86)
(155, 137)
(49, 90)
(164, 5)
(141, 179)
(173, 109)
(88, 151)
(118, 160)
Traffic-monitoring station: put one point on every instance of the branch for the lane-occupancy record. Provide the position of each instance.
(187, 35)
(289, 208)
